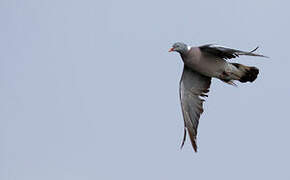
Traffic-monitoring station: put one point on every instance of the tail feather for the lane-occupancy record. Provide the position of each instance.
(249, 73)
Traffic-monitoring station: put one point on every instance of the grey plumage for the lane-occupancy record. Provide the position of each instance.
(226, 53)
(200, 65)
(193, 87)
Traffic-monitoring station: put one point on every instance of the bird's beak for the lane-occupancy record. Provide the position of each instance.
(171, 49)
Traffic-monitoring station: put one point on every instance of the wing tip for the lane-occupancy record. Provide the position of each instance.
(183, 140)
(193, 141)
(255, 49)
(194, 146)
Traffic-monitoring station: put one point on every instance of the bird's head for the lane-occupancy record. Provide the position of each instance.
(179, 47)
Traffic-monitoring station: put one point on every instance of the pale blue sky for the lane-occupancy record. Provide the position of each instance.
(88, 91)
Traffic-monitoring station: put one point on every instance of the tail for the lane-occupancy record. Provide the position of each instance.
(248, 73)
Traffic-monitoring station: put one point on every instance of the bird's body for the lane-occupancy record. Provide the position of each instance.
(204, 64)
(210, 65)
(201, 64)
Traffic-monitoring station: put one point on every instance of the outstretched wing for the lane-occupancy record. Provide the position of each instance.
(226, 53)
(193, 86)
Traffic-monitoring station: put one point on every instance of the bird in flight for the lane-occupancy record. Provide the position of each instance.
(200, 65)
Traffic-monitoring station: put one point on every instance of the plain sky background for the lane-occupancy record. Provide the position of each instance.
(88, 91)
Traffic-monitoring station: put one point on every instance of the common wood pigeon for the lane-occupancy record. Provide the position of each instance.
(200, 65)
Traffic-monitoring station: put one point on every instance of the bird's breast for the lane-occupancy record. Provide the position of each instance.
(208, 66)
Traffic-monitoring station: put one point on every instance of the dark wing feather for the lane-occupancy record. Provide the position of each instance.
(193, 86)
(226, 53)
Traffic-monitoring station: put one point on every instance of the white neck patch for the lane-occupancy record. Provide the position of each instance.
(188, 48)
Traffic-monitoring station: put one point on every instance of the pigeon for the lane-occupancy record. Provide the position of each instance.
(201, 64)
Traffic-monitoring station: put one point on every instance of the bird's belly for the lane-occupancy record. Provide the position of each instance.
(209, 67)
